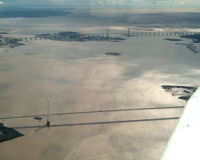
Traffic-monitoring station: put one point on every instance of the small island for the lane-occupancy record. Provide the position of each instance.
(181, 92)
(112, 53)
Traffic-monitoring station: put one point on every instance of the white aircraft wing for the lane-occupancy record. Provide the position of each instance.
(184, 143)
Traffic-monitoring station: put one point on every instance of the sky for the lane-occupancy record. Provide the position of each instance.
(191, 4)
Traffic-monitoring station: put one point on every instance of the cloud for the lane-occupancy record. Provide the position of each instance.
(105, 3)
(181, 3)
(100, 2)
(144, 3)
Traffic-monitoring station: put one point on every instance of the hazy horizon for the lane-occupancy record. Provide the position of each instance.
(134, 4)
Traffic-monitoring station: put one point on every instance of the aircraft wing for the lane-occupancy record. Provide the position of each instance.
(184, 143)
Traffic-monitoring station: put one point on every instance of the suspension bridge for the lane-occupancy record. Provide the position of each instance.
(109, 35)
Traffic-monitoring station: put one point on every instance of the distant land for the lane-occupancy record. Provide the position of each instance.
(195, 38)
(75, 36)
(12, 42)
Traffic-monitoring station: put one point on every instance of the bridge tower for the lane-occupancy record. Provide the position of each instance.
(107, 33)
(128, 32)
(48, 121)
